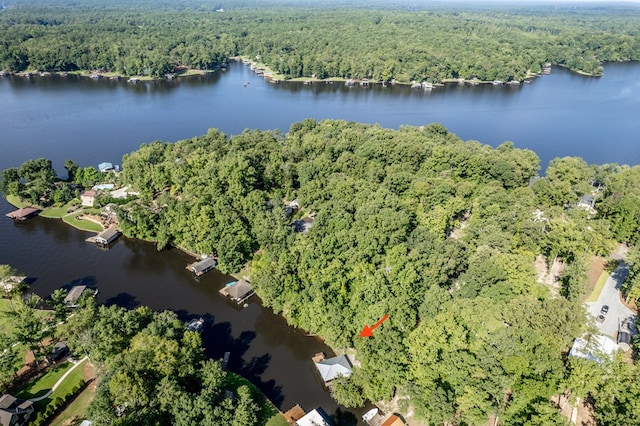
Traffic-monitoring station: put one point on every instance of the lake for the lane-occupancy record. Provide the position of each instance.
(94, 121)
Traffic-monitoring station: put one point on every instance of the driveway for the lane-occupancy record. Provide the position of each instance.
(610, 296)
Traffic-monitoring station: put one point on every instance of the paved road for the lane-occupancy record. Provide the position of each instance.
(610, 296)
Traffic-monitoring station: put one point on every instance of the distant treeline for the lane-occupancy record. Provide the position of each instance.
(376, 42)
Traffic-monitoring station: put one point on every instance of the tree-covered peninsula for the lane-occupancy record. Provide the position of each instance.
(405, 41)
(344, 223)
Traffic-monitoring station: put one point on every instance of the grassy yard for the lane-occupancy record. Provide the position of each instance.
(57, 212)
(44, 383)
(16, 201)
(598, 287)
(6, 326)
(277, 420)
(81, 224)
(76, 411)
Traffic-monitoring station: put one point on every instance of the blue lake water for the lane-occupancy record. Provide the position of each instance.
(562, 114)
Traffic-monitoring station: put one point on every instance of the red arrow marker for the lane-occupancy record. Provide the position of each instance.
(368, 331)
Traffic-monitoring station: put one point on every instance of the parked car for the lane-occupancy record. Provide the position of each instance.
(604, 309)
(600, 318)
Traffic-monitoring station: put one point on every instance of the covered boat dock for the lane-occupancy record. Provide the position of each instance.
(238, 291)
(203, 266)
(23, 213)
(107, 236)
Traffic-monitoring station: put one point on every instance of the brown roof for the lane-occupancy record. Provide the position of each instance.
(23, 212)
(393, 420)
(88, 193)
(239, 289)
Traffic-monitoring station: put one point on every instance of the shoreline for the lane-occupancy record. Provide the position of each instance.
(264, 70)
(276, 78)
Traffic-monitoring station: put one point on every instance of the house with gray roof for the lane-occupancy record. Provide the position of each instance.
(330, 368)
(14, 411)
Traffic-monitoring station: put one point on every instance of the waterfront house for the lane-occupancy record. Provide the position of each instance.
(330, 368)
(14, 411)
(23, 213)
(88, 198)
(203, 266)
(315, 417)
(107, 236)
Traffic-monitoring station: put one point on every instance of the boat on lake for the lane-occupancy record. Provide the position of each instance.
(196, 324)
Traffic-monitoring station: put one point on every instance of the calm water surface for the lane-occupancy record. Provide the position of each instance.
(95, 121)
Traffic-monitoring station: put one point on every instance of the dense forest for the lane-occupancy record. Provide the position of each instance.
(382, 42)
(438, 233)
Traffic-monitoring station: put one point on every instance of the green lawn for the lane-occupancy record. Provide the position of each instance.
(71, 382)
(44, 383)
(597, 289)
(277, 420)
(76, 411)
(16, 201)
(57, 212)
(81, 224)
(6, 326)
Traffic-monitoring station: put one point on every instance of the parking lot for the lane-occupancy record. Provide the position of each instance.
(618, 314)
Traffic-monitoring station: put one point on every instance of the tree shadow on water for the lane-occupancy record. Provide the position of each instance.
(124, 300)
(344, 418)
(218, 340)
(253, 371)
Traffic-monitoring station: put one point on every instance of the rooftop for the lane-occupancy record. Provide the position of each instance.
(330, 368)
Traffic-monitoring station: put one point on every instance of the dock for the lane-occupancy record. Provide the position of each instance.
(294, 414)
(203, 266)
(104, 238)
(238, 291)
(225, 360)
(23, 213)
(71, 300)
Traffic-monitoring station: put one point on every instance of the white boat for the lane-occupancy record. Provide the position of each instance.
(366, 417)
(195, 324)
